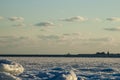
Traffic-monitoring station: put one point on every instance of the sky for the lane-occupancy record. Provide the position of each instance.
(59, 26)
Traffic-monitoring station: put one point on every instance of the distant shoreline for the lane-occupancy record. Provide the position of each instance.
(62, 55)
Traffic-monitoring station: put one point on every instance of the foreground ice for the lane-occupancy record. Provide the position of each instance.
(7, 76)
(39, 68)
(10, 67)
(67, 76)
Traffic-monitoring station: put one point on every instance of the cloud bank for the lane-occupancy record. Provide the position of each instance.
(44, 24)
(19, 25)
(10, 39)
(105, 39)
(19, 19)
(76, 18)
(112, 29)
(73, 37)
(49, 37)
(116, 19)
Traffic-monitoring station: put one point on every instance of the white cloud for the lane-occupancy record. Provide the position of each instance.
(112, 29)
(44, 24)
(19, 19)
(76, 18)
(116, 19)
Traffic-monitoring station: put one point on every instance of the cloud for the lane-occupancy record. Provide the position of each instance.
(10, 39)
(72, 34)
(62, 37)
(73, 19)
(19, 25)
(1, 18)
(100, 39)
(19, 19)
(112, 29)
(97, 20)
(49, 37)
(44, 24)
(73, 39)
(82, 37)
(116, 19)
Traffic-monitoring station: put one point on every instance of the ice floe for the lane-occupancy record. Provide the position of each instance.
(47, 68)
(11, 67)
(67, 76)
(8, 76)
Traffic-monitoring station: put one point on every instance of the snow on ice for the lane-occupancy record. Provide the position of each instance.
(9, 70)
(50, 68)
(7, 76)
(67, 76)
(11, 67)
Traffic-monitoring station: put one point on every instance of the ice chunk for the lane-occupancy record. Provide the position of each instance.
(7, 76)
(11, 67)
(108, 70)
(58, 69)
(67, 76)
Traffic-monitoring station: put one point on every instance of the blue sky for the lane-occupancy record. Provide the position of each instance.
(59, 26)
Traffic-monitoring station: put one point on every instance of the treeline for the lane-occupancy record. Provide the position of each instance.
(62, 55)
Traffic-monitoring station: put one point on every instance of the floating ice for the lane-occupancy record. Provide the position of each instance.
(67, 76)
(58, 69)
(108, 70)
(47, 68)
(11, 67)
(7, 76)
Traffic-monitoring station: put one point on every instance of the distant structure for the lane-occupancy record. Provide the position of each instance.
(97, 54)
(102, 53)
(108, 53)
(68, 54)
